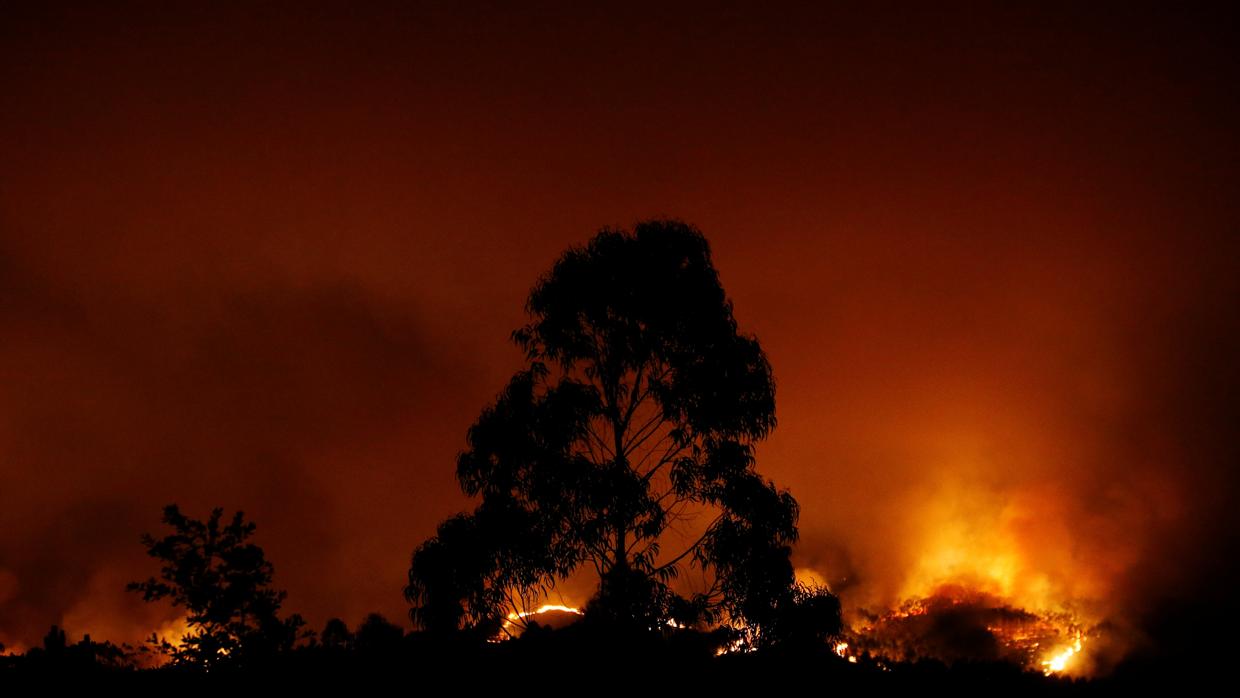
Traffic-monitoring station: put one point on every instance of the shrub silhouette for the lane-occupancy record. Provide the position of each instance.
(224, 584)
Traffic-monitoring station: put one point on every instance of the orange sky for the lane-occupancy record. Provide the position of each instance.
(268, 258)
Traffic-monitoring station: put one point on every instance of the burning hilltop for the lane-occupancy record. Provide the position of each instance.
(958, 624)
(1018, 575)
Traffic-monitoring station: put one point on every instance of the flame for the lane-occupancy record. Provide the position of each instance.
(173, 631)
(13, 650)
(990, 574)
(515, 619)
(1018, 546)
(1058, 661)
(545, 608)
(841, 649)
(958, 623)
(743, 644)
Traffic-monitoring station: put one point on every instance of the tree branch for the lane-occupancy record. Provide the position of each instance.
(634, 398)
(642, 434)
(691, 548)
(601, 443)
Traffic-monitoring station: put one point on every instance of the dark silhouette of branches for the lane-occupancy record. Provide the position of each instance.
(626, 444)
(223, 582)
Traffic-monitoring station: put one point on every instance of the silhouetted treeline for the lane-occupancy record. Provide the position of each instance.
(582, 656)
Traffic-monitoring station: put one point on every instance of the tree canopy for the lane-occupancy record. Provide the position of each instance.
(626, 445)
(224, 584)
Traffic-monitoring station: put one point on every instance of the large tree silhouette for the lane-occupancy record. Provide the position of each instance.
(627, 445)
(223, 582)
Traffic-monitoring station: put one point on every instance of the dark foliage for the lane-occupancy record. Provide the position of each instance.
(336, 636)
(635, 418)
(377, 636)
(224, 584)
(555, 660)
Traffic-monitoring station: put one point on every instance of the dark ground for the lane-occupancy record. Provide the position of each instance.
(571, 663)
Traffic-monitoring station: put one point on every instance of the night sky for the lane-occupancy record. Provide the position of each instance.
(269, 257)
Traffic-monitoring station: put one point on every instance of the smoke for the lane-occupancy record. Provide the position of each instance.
(255, 399)
(271, 263)
(1099, 484)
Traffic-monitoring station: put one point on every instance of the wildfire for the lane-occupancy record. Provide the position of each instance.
(992, 577)
(841, 649)
(516, 620)
(13, 650)
(1058, 661)
(741, 645)
(959, 624)
(173, 632)
(989, 574)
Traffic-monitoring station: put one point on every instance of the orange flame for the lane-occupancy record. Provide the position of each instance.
(516, 620)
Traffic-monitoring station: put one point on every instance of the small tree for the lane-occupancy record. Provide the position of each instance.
(632, 425)
(336, 635)
(224, 584)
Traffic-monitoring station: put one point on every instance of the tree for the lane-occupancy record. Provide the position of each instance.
(631, 428)
(336, 635)
(224, 584)
(376, 635)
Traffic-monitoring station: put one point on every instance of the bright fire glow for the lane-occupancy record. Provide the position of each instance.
(1017, 546)
(957, 624)
(13, 650)
(988, 574)
(1059, 660)
(517, 619)
(545, 608)
(739, 645)
(841, 649)
(173, 632)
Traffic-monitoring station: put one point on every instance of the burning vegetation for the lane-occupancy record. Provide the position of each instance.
(987, 577)
(990, 576)
(958, 624)
(547, 615)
